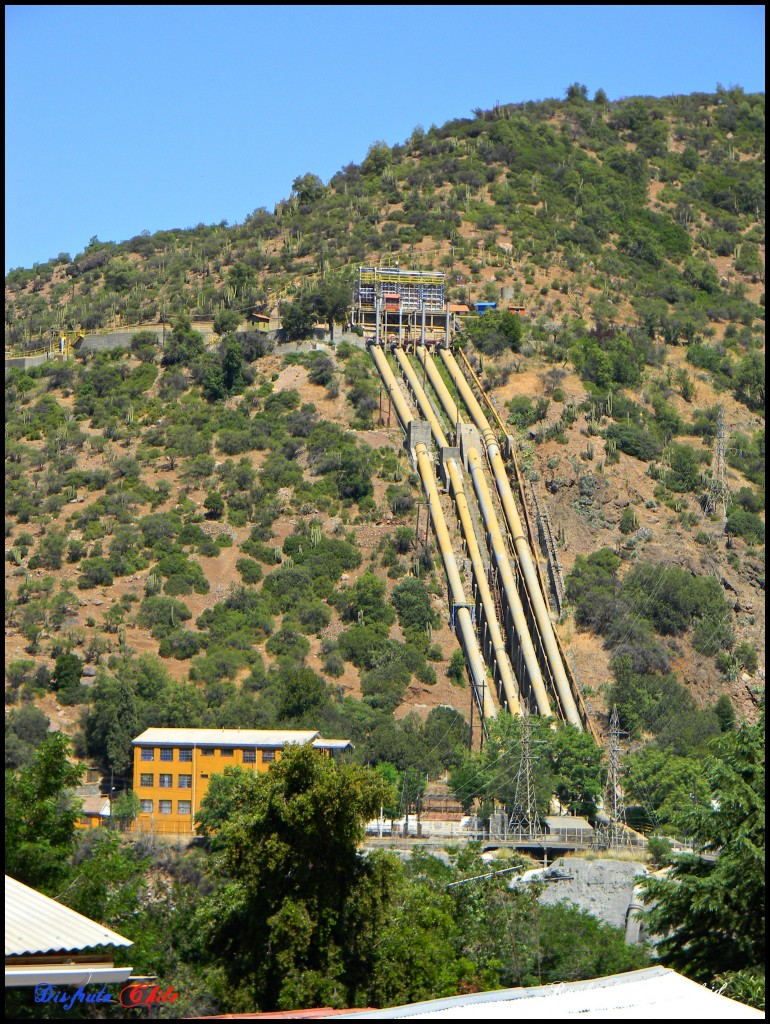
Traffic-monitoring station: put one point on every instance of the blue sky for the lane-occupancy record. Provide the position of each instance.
(121, 119)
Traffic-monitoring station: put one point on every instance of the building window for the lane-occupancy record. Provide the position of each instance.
(185, 781)
(249, 757)
(184, 807)
(268, 756)
(226, 752)
(146, 806)
(148, 754)
(208, 751)
(165, 781)
(185, 754)
(164, 806)
(167, 753)
(146, 779)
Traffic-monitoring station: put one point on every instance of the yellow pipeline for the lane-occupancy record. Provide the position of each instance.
(394, 391)
(499, 550)
(507, 678)
(500, 555)
(531, 581)
(421, 398)
(463, 617)
(437, 381)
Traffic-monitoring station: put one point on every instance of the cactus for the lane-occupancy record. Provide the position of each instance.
(130, 414)
(316, 535)
(152, 585)
(609, 403)
(590, 451)
(277, 554)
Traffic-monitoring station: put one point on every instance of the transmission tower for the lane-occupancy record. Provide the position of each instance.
(615, 833)
(524, 822)
(718, 496)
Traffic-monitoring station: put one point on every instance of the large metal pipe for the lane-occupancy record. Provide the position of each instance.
(438, 385)
(531, 581)
(499, 550)
(461, 608)
(421, 398)
(499, 553)
(391, 385)
(500, 653)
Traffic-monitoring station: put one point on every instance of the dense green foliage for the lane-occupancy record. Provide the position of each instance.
(709, 909)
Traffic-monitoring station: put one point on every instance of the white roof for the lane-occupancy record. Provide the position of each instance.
(560, 822)
(652, 994)
(224, 737)
(35, 923)
(321, 744)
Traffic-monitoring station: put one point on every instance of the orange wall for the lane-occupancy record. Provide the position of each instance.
(201, 768)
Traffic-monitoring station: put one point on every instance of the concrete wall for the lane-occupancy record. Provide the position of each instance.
(605, 888)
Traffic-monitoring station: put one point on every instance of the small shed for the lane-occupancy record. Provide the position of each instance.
(260, 320)
(485, 307)
(95, 813)
(567, 828)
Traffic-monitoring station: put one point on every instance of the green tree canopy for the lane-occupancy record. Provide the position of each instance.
(290, 875)
(709, 910)
(40, 816)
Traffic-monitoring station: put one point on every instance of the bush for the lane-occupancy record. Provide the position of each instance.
(288, 643)
(251, 571)
(633, 440)
(742, 523)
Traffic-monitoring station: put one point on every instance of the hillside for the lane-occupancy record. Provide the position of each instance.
(632, 233)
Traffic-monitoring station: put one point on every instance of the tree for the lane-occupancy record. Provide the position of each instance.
(576, 92)
(332, 300)
(40, 816)
(308, 188)
(298, 318)
(709, 912)
(214, 505)
(232, 366)
(125, 808)
(226, 321)
(290, 878)
(112, 723)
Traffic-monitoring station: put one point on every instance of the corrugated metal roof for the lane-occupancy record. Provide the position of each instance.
(560, 822)
(224, 737)
(35, 923)
(321, 744)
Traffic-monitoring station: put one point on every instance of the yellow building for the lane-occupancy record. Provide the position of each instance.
(172, 767)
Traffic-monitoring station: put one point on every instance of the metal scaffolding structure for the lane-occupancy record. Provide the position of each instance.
(401, 305)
